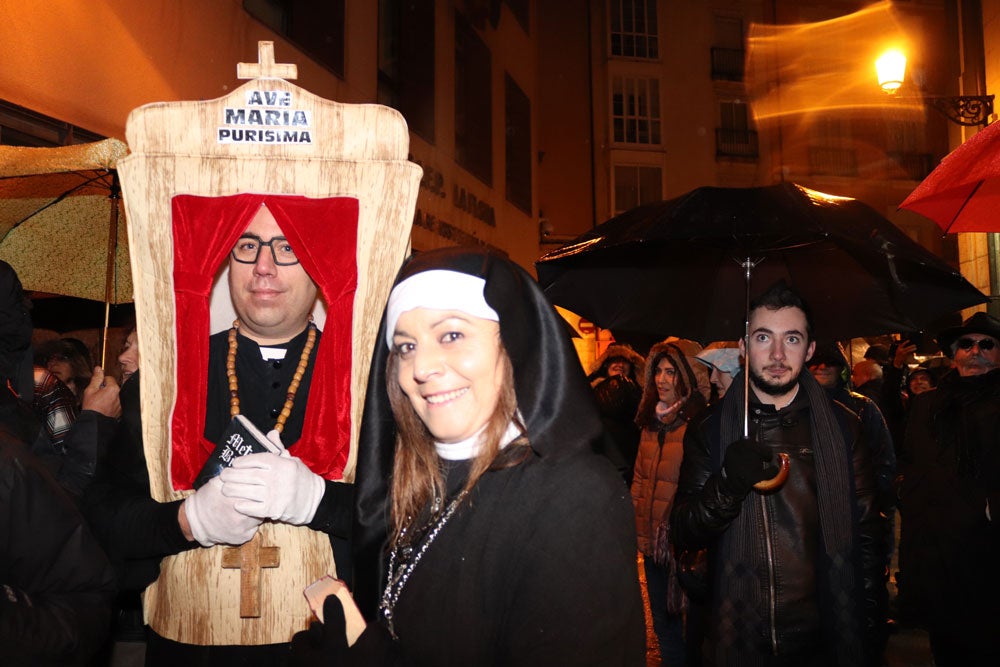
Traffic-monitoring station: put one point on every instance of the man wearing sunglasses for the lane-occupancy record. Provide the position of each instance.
(950, 501)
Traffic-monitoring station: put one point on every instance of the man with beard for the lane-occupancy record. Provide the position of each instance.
(949, 495)
(793, 569)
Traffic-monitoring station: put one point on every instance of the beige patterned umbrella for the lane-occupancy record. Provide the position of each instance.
(57, 207)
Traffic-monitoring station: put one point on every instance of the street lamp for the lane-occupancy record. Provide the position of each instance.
(968, 110)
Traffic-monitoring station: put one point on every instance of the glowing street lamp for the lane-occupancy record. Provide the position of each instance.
(890, 67)
(969, 110)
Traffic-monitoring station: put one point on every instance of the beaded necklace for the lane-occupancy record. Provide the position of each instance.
(403, 560)
(234, 394)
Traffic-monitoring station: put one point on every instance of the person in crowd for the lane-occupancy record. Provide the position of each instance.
(53, 403)
(794, 561)
(670, 400)
(949, 495)
(723, 361)
(121, 487)
(617, 359)
(69, 445)
(55, 581)
(828, 366)
(69, 360)
(618, 399)
(867, 379)
(128, 358)
(510, 541)
(920, 380)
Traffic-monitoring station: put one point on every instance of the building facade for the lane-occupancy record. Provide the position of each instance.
(463, 73)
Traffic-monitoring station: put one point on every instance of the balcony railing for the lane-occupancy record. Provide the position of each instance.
(735, 143)
(912, 166)
(826, 161)
(727, 64)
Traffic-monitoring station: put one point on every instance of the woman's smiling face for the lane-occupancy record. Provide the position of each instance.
(450, 369)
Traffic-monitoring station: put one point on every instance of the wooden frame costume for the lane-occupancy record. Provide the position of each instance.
(337, 180)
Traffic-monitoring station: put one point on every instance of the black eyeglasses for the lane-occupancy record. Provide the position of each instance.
(247, 250)
(985, 344)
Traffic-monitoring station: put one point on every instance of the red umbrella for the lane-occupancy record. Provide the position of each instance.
(962, 194)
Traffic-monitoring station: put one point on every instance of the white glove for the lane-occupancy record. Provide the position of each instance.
(272, 486)
(214, 519)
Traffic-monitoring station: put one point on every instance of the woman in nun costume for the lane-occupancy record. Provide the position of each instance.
(489, 532)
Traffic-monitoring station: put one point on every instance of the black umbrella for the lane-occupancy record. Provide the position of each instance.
(684, 267)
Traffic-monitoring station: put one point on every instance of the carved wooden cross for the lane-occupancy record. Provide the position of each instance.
(266, 67)
(250, 558)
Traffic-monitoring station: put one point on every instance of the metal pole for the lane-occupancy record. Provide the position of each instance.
(747, 265)
(109, 279)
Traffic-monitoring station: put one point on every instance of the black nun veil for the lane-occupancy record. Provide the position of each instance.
(552, 395)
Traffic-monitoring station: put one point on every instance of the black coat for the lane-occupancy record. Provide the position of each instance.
(949, 548)
(56, 585)
(704, 511)
(538, 568)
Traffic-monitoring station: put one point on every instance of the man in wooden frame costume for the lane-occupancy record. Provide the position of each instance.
(335, 179)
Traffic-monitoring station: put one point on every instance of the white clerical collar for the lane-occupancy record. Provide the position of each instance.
(468, 448)
(272, 353)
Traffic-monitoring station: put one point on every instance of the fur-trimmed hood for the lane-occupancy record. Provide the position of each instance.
(694, 374)
(599, 369)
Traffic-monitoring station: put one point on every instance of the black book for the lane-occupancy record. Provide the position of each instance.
(240, 438)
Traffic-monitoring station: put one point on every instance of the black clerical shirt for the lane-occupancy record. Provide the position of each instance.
(263, 386)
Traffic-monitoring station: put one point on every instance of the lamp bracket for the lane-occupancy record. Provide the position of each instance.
(968, 110)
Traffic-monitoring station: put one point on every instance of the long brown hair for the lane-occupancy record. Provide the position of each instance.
(416, 473)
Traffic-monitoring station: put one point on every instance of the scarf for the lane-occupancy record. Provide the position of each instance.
(742, 599)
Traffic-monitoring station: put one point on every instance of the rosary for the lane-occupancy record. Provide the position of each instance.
(234, 394)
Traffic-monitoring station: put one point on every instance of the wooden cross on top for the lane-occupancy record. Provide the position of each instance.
(266, 67)
(250, 558)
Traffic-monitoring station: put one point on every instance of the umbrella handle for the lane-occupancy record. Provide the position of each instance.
(747, 266)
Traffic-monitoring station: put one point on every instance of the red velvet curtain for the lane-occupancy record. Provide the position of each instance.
(324, 235)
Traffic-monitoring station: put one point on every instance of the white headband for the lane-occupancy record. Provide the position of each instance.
(437, 290)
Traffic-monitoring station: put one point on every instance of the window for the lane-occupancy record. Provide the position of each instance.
(727, 51)
(733, 137)
(635, 186)
(315, 26)
(473, 102)
(406, 62)
(635, 108)
(832, 152)
(633, 29)
(517, 109)
(905, 149)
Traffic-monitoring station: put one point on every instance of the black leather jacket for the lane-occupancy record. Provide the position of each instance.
(789, 537)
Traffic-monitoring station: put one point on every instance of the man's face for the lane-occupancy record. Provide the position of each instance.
(920, 383)
(721, 380)
(827, 376)
(779, 349)
(273, 302)
(971, 359)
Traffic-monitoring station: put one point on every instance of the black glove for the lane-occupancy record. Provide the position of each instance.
(323, 643)
(746, 463)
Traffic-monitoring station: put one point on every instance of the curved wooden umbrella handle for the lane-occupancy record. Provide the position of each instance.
(775, 482)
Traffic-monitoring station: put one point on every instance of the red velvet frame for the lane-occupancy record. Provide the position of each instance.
(324, 234)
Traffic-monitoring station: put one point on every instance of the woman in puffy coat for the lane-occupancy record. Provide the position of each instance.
(670, 399)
